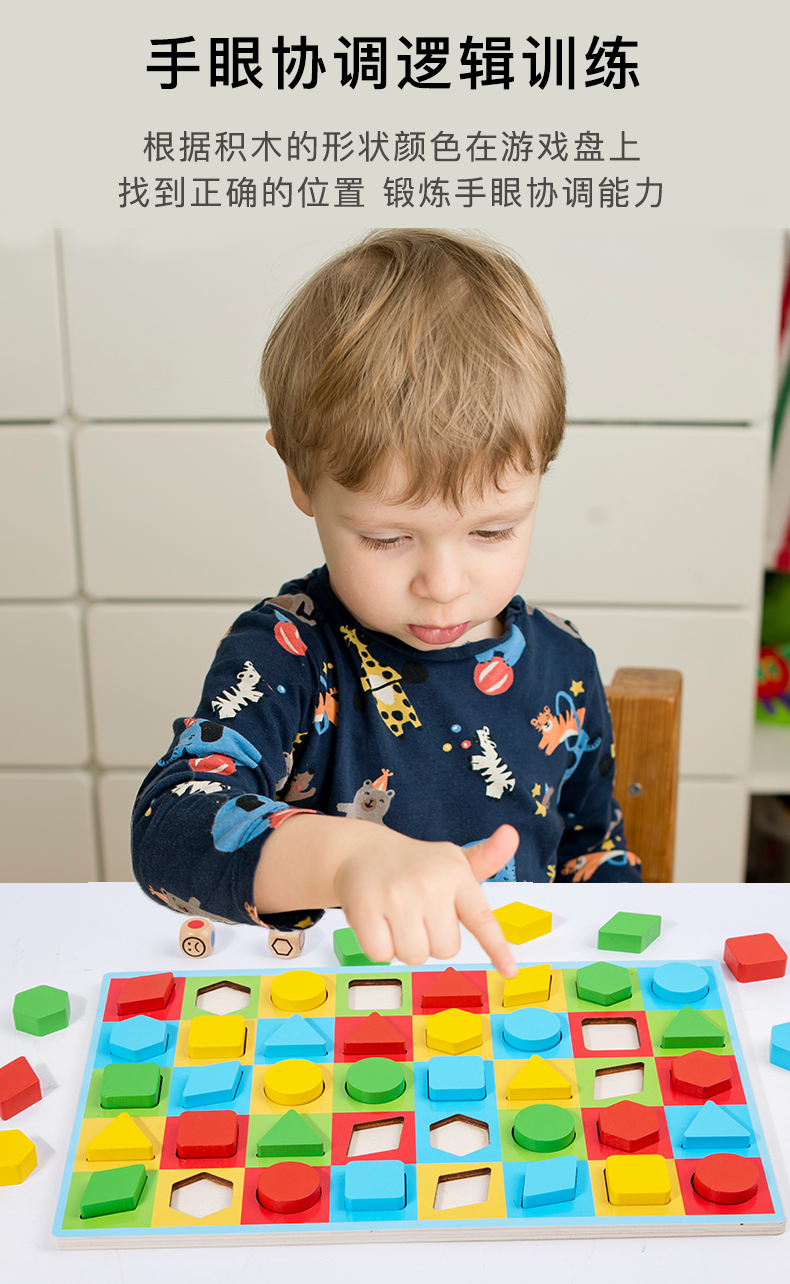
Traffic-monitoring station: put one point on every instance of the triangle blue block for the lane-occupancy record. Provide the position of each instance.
(294, 1038)
(713, 1128)
(210, 1085)
(549, 1181)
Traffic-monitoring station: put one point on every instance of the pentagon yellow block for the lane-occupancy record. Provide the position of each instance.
(538, 1081)
(121, 1140)
(453, 1031)
(637, 1179)
(18, 1157)
(521, 922)
(298, 991)
(529, 985)
(216, 1038)
(293, 1082)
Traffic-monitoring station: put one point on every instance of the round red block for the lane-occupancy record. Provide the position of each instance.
(725, 1179)
(701, 1074)
(289, 1187)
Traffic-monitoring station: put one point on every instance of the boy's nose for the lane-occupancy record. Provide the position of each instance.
(441, 579)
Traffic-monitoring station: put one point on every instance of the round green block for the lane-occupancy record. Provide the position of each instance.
(375, 1079)
(41, 1010)
(544, 1128)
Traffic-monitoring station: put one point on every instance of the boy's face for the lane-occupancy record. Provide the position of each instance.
(425, 574)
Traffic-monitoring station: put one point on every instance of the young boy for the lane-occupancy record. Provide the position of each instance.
(427, 728)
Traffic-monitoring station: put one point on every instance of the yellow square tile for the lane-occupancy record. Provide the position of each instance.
(217, 1038)
(422, 1052)
(164, 1215)
(153, 1126)
(604, 1208)
(182, 1057)
(506, 1071)
(268, 1009)
(554, 1003)
(427, 1178)
(260, 1104)
(520, 922)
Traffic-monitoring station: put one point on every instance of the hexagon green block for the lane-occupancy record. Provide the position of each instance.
(629, 933)
(603, 983)
(41, 1010)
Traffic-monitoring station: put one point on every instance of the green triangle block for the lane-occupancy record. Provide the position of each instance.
(348, 951)
(691, 1029)
(114, 1190)
(291, 1135)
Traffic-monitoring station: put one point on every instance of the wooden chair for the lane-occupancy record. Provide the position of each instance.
(645, 705)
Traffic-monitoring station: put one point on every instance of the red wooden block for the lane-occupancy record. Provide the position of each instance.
(207, 1134)
(701, 1074)
(145, 994)
(755, 958)
(374, 1037)
(628, 1125)
(452, 989)
(19, 1087)
(726, 1179)
(289, 1187)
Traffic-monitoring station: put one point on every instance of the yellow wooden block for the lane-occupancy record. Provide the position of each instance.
(17, 1157)
(298, 991)
(637, 1179)
(453, 1031)
(538, 1081)
(122, 1139)
(293, 1083)
(216, 1038)
(529, 985)
(521, 922)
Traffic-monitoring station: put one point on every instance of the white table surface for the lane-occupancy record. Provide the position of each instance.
(69, 935)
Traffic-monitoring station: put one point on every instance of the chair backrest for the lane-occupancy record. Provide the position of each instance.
(645, 705)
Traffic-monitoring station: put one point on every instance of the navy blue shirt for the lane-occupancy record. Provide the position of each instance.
(304, 708)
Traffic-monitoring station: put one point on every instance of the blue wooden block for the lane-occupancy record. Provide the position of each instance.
(780, 1045)
(680, 983)
(532, 1029)
(294, 1038)
(374, 1185)
(209, 1085)
(549, 1181)
(456, 1079)
(714, 1129)
(138, 1038)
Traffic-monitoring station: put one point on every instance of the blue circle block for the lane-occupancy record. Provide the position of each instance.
(780, 1045)
(532, 1029)
(680, 983)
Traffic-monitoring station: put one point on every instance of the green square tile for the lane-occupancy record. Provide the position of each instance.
(585, 1078)
(193, 984)
(343, 1103)
(341, 994)
(629, 933)
(138, 1217)
(260, 1125)
(511, 1151)
(575, 1004)
(130, 1085)
(95, 1110)
(657, 1023)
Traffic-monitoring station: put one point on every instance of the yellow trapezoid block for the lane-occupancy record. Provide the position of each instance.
(122, 1139)
(453, 1031)
(539, 1081)
(637, 1179)
(293, 1082)
(216, 1038)
(298, 991)
(521, 922)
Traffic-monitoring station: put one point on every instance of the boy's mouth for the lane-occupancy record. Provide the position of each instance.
(439, 637)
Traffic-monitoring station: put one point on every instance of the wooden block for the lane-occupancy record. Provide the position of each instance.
(212, 1084)
(207, 1134)
(629, 933)
(196, 938)
(637, 1179)
(41, 1010)
(298, 991)
(349, 952)
(295, 1038)
(680, 983)
(293, 1082)
(19, 1087)
(119, 1142)
(217, 1038)
(17, 1157)
(715, 1129)
(628, 1125)
(701, 1074)
(130, 1086)
(549, 1181)
(291, 1135)
(453, 1031)
(780, 1045)
(289, 1187)
(113, 1190)
(691, 1029)
(452, 989)
(145, 994)
(456, 1079)
(603, 983)
(532, 1030)
(755, 958)
(374, 1037)
(538, 1080)
(138, 1038)
(529, 985)
(521, 922)
(726, 1179)
(374, 1185)
(375, 1080)
(286, 945)
(542, 1128)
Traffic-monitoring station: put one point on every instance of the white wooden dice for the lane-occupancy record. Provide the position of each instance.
(196, 938)
(285, 945)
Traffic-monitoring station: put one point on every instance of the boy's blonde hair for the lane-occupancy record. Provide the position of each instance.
(419, 347)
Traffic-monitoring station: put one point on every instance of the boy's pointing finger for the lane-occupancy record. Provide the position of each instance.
(474, 912)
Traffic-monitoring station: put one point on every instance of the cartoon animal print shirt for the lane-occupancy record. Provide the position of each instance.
(304, 709)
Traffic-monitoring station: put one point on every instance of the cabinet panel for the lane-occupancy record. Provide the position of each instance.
(36, 523)
(711, 832)
(44, 706)
(48, 831)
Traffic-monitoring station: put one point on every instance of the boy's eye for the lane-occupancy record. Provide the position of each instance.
(508, 533)
(371, 541)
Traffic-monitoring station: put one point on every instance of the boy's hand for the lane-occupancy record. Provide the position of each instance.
(406, 898)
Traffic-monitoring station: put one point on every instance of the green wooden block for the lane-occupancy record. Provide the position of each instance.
(41, 1010)
(543, 1128)
(130, 1085)
(375, 1079)
(348, 951)
(115, 1190)
(691, 1029)
(603, 983)
(629, 933)
(291, 1135)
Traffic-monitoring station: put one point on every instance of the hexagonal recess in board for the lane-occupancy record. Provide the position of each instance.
(223, 998)
(628, 1125)
(41, 1010)
(603, 983)
(138, 1038)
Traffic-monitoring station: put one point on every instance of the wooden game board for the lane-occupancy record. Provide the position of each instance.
(335, 1114)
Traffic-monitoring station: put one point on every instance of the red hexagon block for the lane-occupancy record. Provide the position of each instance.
(628, 1125)
(701, 1074)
